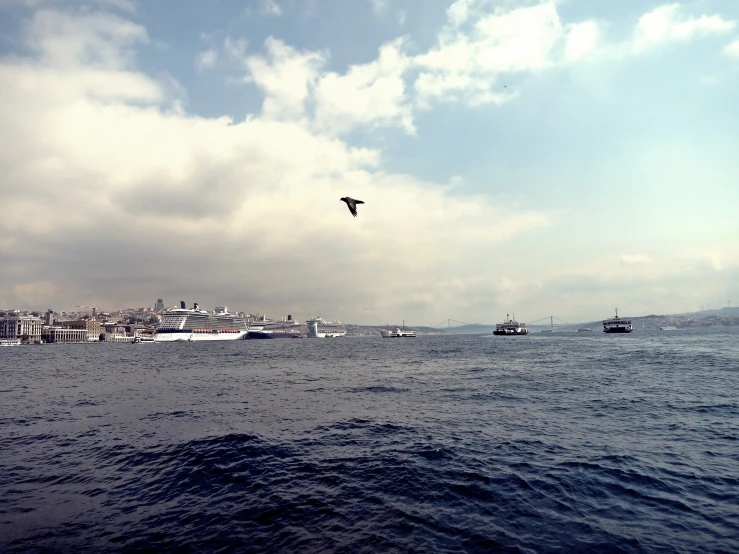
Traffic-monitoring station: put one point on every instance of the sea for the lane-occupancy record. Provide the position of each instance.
(569, 442)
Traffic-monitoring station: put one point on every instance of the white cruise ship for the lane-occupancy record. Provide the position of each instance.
(287, 328)
(196, 325)
(617, 325)
(319, 328)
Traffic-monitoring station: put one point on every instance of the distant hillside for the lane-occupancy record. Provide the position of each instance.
(723, 317)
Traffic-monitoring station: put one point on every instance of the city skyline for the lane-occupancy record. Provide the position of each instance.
(529, 157)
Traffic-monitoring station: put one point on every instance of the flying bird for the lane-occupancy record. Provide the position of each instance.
(352, 204)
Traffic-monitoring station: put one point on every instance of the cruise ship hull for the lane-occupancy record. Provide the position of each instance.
(191, 336)
(273, 335)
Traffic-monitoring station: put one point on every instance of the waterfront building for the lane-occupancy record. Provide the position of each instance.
(61, 335)
(16, 326)
(92, 327)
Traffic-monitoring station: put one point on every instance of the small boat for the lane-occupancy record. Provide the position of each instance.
(584, 330)
(668, 328)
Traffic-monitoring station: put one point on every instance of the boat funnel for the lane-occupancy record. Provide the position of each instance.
(182, 304)
(195, 306)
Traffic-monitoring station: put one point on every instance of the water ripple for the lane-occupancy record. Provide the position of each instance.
(448, 444)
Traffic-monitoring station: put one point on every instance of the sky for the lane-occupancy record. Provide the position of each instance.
(556, 157)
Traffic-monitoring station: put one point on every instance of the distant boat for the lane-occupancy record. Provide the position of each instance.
(510, 327)
(668, 328)
(397, 333)
(584, 330)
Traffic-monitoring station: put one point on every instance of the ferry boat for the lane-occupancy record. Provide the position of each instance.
(196, 325)
(319, 328)
(510, 327)
(617, 325)
(10, 342)
(397, 333)
(287, 328)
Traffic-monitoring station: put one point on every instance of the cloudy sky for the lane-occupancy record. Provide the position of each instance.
(536, 157)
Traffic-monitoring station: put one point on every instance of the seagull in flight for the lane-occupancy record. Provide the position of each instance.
(352, 204)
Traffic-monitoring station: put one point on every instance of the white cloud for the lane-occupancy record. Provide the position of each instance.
(246, 213)
(89, 39)
(235, 48)
(123, 5)
(479, 43)
(379, 6)
(631, 259)
(665, 24)
(286, 76)
(459, 12)
(372, 93)
(732, 49)
(270, 7)
(465, 64)
(582, 41)
(207, 58)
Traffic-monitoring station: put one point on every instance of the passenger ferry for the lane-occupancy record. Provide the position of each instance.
(10, 342)
(319, 328)
(617, 325)
(397, 333)
(197, 325)
(511, 327)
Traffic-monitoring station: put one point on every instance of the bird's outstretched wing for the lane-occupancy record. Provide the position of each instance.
(358, 202)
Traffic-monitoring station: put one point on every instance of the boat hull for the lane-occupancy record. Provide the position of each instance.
(257, 335)
(619, 330)
(510, 333)
(190, 336)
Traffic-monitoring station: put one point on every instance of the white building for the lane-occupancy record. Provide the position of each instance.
(18, 326)
(61, 335)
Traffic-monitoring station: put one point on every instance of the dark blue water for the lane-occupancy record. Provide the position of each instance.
(576, 443)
